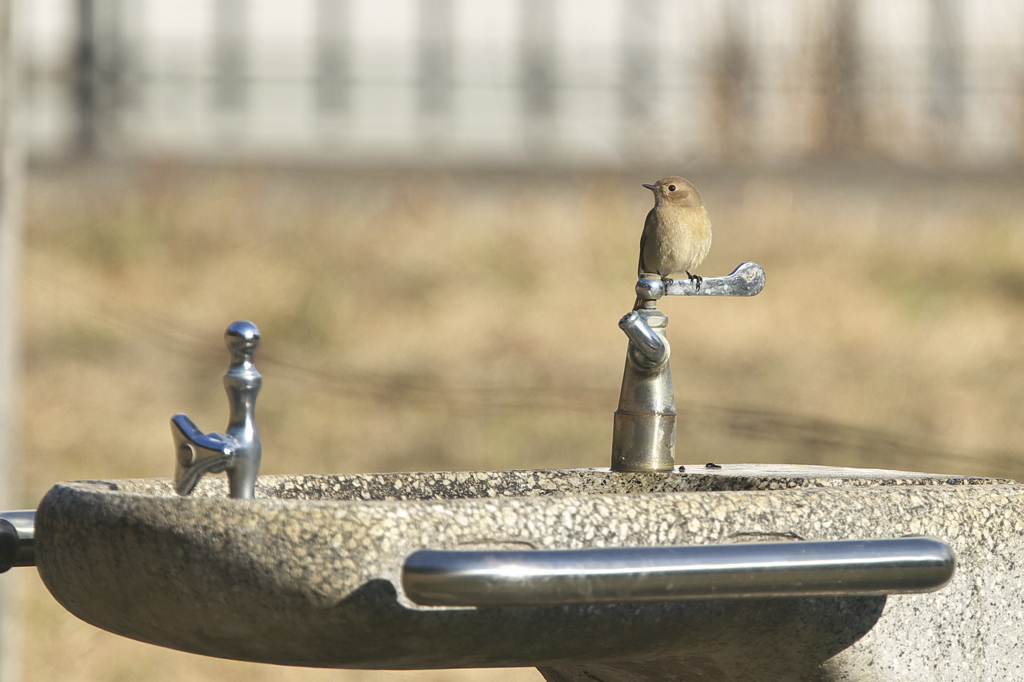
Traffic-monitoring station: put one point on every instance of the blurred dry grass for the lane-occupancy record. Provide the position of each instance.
(414, 320)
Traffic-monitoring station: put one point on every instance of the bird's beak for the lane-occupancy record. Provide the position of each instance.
(650, 187)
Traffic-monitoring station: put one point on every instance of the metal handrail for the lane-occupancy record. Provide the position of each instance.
(17, 539)
(769, 569)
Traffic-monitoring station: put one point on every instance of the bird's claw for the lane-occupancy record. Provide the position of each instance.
(696, 279)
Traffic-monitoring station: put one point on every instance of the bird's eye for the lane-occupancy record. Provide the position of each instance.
(671, 188)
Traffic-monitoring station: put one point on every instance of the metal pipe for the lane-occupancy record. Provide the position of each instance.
(644, 432)
(770, 569)
(17, 539)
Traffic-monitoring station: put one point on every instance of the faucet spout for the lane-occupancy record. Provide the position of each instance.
(238, 450)
(649, 350)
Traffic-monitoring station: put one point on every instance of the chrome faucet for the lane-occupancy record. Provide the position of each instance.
(644, 436)
(236, 451)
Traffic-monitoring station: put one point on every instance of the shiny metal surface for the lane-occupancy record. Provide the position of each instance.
(649, 346)
(746, 280)
(644, 432)
(17, 539)
(776, 569)
(238, 450)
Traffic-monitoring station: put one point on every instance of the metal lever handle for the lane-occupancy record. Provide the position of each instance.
(746, 280)
(770, 569)
(198, 453)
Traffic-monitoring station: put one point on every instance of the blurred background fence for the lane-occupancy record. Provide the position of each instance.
(523, 83)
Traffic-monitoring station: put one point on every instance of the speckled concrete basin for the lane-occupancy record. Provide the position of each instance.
(309, 572)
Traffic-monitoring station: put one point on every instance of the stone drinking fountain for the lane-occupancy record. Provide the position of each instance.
(642, 571)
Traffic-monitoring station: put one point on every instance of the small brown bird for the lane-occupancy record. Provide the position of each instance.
(677, 232)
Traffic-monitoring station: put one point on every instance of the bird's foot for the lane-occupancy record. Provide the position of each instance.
(697, 279)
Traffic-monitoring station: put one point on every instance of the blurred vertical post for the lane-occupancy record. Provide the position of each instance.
(229, 24)
(840, 68)
(732, 79)
(85, 84)
(112, 71)
(639, 77)
(945, 62)
(333, 58)
(10, 188)
(437, 65)
(99, 75)
(537, 64)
